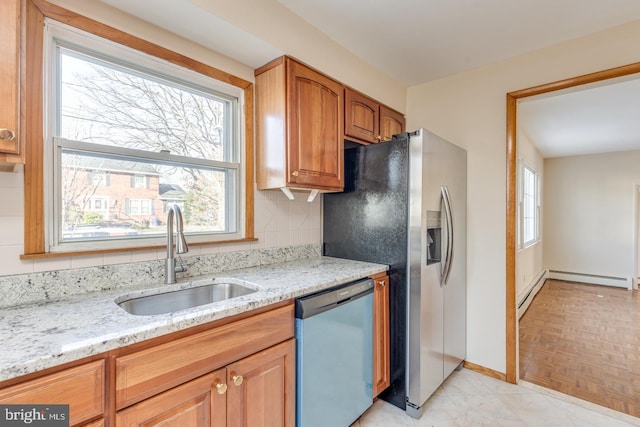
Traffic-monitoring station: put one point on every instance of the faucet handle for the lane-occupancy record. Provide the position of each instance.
(182, 266)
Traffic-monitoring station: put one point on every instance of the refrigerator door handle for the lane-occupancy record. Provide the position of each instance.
(446, 200)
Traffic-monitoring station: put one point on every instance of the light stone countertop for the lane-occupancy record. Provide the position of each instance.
(40, 336)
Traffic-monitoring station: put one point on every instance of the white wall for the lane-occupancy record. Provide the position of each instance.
(590, 213)
(271, 21)
(469, 109)
(529, 260)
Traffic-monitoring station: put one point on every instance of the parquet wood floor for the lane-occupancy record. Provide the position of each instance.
(584, 341)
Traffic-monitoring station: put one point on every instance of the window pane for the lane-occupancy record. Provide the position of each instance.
(91, 211)
(108, 104)
(529, 206)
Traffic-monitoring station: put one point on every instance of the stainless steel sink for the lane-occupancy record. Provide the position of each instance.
(200, 294)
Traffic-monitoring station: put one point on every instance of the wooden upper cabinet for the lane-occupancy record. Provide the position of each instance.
(391, 123)
(361, 117)
(10, 17)
(299, 128)
(367, 121)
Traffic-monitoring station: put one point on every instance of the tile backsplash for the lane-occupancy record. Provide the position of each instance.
(279, 222)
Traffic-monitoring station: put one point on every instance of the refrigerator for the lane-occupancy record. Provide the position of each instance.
(404, 205)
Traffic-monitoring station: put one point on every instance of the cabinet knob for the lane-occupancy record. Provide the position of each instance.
(7, 135)
(383, 283)
(295, 173)
(221, 388)
(237, 379)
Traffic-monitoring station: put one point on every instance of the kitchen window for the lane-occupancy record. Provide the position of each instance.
(529, 207)
(148, 133)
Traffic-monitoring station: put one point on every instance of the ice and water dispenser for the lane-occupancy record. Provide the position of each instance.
(434, 237)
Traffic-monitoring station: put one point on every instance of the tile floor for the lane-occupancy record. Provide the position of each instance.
(469, 399)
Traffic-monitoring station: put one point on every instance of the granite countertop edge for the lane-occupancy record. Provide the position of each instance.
(41, 336)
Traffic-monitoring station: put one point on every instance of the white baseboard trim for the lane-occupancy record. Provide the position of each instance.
(525, 300)
(592, 279)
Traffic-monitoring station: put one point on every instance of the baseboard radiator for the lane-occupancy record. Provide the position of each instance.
(592, 279)
(526, 299)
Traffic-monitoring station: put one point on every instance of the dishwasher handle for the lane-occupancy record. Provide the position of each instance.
(311, 305)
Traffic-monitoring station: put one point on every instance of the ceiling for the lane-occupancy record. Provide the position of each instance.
(592, 119)
(414, 41)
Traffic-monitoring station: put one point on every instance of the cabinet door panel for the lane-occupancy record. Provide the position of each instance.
(361, 117)
(315, 128)
(381, 346)
(391, 123)
(266, 394)
(10, 48)
(194, 404)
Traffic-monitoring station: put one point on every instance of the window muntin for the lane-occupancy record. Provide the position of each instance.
(186, 152)
(529, 209)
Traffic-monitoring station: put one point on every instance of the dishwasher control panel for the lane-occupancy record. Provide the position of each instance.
(313, 304)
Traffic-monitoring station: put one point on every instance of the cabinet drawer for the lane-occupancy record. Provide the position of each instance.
(156, 369)
(97, 423)
(80, 387)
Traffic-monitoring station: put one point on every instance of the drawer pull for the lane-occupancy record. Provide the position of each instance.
(221, 388)
(7, 134)
(237, 379)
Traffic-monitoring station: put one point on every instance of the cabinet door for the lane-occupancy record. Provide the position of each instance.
(198, 403)
(391, 123)
(361, 117)
(381, 346)
(315, 112)
(262, 388)
(10, 48)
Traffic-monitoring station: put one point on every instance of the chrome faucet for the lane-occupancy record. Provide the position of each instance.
(181, 245)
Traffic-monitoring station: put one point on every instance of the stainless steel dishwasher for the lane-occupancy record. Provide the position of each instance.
(334, 343)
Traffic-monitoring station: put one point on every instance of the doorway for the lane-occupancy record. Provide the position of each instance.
(512, 167)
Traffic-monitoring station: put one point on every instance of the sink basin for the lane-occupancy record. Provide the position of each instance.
(208, 292)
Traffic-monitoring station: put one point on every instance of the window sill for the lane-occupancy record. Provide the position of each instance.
(529, 245)
(134, 249)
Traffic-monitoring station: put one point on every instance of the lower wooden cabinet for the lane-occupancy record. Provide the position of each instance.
(381, 343)
(238, 374)
(258, 390)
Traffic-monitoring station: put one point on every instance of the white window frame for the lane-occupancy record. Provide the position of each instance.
(140, 181)
(56, 31)
(524, 242)
(140, 203)
(102, 199)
